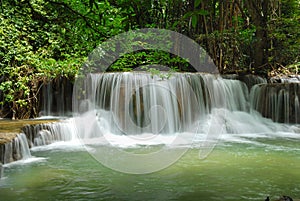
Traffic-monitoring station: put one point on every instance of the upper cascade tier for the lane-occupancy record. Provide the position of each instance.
(163, 103)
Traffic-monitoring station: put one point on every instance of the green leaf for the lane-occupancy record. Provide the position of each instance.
(194, 21)
(197, 3)
(188, 14)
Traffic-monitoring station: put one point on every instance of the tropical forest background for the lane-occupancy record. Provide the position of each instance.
(43, 40)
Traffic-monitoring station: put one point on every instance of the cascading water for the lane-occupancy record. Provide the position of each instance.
(279, 102)
(24, 149)
(249, 80)
(286, 79)
(140, 103)
(136, 103)
(16, 149)
(45, 134)
(56, 98)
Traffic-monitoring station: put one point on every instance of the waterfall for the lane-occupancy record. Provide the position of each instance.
(8, 153)
(24, 148)
(1, 170)
(56, 98)
(44, 134)
(16, 149)
(142, 104)
(249, 80)
(279, 101)
(297, 109)
(35, 136)
(286, 79)
(136, 103)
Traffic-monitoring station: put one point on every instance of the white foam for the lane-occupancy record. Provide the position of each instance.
(25, 161)
(74, 145)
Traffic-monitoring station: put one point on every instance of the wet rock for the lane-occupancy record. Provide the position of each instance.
(7, 137)
(8, 150)
(282, 198)
(285, 198)
(2, 151)
(1, 170)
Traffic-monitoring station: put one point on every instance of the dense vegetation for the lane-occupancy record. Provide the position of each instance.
(41, 40)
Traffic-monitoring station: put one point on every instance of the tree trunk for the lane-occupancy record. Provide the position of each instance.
(258, 11)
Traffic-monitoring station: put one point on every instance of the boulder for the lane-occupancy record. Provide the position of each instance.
(285, 198)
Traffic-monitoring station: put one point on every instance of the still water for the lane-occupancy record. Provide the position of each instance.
(241, 167)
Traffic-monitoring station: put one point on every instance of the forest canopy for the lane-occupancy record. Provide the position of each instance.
(41, 40)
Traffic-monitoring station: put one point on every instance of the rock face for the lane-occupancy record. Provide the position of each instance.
(6, 146)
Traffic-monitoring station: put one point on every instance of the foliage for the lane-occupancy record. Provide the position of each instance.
(151, 57)
(285, 38)
(27, 49)
(41, 40)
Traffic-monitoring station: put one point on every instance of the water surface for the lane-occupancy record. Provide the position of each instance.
(240, 167)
